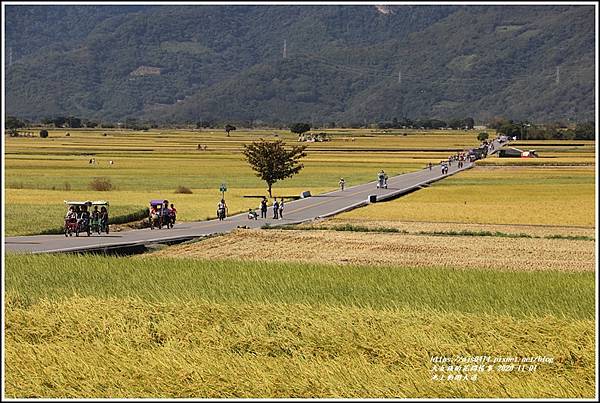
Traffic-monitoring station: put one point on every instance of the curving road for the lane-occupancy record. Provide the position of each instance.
(323, 205)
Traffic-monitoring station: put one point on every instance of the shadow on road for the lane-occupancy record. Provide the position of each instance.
(95, 236)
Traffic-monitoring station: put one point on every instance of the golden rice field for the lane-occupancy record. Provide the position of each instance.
(42, 173)
(127, 348)
(559, 196)
(473, 252)
(312, 312)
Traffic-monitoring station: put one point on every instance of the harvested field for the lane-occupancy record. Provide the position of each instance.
(394, 249)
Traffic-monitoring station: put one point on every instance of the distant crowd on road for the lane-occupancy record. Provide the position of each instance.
(485, 147)
(459, 158)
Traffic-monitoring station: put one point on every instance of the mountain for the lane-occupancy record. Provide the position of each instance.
(342, 64)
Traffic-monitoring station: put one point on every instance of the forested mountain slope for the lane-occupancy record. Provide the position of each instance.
(343, 63)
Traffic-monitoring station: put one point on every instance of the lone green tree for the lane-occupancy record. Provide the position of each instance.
(299, 128)
(229, 128)
(482, 136)
(272, 162)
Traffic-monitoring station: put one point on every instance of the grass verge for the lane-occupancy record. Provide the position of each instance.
(360, 228)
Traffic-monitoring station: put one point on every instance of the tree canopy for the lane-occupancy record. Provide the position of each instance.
(229, 128)
(299, 128)
(272, 162)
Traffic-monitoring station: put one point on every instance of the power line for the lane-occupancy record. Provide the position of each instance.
(490, 77)
(359, 69)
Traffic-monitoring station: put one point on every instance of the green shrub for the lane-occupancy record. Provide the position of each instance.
(135, 216)
(183, 189)
(43, 133)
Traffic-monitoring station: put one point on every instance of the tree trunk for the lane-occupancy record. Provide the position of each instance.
(270, 184)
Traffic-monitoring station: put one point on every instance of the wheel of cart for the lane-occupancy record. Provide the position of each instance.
(70, 226)
(95, 225)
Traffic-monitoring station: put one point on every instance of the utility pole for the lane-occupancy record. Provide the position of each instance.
(284, 49)
(557, 75)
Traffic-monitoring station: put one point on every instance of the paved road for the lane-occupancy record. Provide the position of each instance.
(323, 205)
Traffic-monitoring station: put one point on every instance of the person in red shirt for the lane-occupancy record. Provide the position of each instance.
(173, 214)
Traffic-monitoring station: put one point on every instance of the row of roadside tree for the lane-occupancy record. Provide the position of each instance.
(521, 129)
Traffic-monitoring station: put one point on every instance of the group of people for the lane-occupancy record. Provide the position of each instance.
(81, 216)
(165, 213)
(444, 164)
(459, 158)
(263, 207)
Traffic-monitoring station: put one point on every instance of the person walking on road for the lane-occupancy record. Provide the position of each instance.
(263, 208)
(276, 209)
(430, 166)
(280, 210)
(342, 183)
(165, 214)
